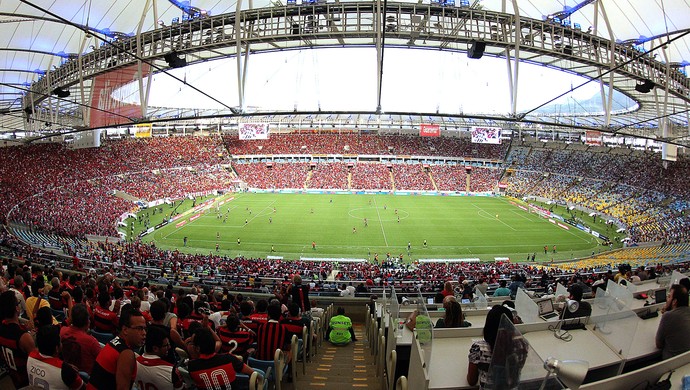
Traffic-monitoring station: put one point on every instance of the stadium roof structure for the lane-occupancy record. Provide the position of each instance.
(65, 63)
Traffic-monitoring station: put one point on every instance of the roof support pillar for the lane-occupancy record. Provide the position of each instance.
(379, 55)
(143, 95)
(513, 72)
(85, 112)
(241, 63)
(607, 101)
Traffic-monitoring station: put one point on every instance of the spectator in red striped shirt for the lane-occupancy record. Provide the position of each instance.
(212, 370)
(243, 336)
(272, 335)
(300, 294)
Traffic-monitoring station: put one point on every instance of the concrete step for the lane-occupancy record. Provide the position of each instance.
(339, 367)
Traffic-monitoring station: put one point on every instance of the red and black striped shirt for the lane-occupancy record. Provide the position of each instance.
(271, 336)
(12, 354)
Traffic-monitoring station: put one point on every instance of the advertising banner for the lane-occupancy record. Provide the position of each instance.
(429, 130)
(486, 135)
(253, 131)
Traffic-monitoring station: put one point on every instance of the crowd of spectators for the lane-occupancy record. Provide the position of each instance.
(632, 188)
(77, 311)
(329, 176)
(359, 144)
(368, 176)
(411, 177)
(41, 168)
(371, 176)
(70, 191)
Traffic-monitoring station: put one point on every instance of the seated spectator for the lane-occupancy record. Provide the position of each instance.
(481, 352)
(44, 317)
(153, 370)
(672, 334)
(54, 373)
(584, 309)
(272, 335)
(340, 330)
(294, 322)
(259, 317)
(213, 371)
(502, 290)
(243, 336)
(158, 311)
(447, 289)
(54, 295)
(15, 340)
(453, 317)
(36, 301)
(78, 347)
(104, 319)
(116, 365)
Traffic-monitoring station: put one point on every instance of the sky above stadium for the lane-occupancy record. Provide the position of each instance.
(345, 79)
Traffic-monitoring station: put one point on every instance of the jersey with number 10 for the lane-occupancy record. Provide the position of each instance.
(215, 371)
(12, 355)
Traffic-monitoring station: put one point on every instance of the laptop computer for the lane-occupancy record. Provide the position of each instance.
(660, 296)
(546, 310)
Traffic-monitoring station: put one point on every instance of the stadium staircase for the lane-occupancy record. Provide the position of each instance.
(125, 196)
(535, 184)
(306, 182)
(433, 182)
(392, 179)
(349, 180)
(339, 368)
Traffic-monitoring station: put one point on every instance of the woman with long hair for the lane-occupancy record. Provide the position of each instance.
(454, 317)
(507, 355)
(447, 289)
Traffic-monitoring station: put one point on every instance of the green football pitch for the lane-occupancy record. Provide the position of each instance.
(360, 226)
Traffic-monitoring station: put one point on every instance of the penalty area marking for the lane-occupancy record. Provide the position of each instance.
(489, 216)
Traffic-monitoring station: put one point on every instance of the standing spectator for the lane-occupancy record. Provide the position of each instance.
(116, 365)
(78, 347)
(15, 341)
(672, 334)
(300, 294)
(153, 370)
(54, 373)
